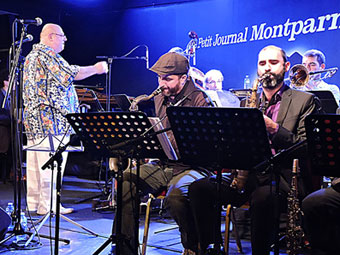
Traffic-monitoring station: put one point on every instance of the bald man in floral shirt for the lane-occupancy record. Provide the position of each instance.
(49, 95)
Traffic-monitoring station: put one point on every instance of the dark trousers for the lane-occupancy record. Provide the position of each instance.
(322, 220)
(263, 203)
(153, 179)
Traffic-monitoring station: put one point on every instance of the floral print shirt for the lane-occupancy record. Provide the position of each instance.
(48, 92)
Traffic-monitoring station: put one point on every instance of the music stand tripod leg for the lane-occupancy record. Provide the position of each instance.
(217, 244)
(7, 238)
(118, 237)
(78, 225)
(115, 238)
(42, 222)
(103, 246)
(277, 211)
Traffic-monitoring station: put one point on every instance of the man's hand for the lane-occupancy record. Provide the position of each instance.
(240, 180)
(271, 126)
(101, 67)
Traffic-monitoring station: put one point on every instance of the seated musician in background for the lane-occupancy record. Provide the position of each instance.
(213, 80)
(172, 70)
(315, 60)
(213, 86)
(321, 219)
(49, 95)
(284, 110)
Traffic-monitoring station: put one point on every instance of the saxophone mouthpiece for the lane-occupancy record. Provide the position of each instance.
(158, 91)
(264, 76)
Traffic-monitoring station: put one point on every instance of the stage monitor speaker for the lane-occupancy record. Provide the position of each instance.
(5, 221)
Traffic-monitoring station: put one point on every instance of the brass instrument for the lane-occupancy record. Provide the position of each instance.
(251, 100)
(141, 98)
(242, 175)
(114, 162)
(294, 232)
(299, 76)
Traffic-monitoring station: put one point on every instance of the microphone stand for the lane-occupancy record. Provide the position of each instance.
(278, 156)
(110, 60)
(57, 157)
(50, 164)
(16, 70)
(108, 97)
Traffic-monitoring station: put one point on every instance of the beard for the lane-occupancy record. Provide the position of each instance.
(272, 80)
(172, 91)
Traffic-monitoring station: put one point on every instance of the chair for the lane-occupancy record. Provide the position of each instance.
(230, 217)
(161, 196)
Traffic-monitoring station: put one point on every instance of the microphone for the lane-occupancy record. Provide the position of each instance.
(37, 21)
(28, 38)
(147, 57)
(193, 35)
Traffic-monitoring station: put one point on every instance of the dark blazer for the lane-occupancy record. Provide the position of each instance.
(295, 107)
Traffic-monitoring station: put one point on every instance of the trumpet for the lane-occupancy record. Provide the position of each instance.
(299, 76)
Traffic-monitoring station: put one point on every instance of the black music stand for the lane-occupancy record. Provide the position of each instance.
(323, 143)
(123, 135)
(225, 136)
(327, 99)
(122, 101)
(220, 138)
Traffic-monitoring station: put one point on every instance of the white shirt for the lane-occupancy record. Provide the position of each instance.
(331, 87)
(325, 86)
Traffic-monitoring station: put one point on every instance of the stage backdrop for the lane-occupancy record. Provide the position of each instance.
(230, 34)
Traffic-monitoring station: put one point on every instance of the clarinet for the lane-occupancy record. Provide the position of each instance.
(294, 232)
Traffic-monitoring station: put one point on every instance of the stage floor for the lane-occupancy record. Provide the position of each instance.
(81, 242)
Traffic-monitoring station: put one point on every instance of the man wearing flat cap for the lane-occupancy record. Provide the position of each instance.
(177, 89)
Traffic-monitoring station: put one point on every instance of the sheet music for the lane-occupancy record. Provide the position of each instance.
(163, 139)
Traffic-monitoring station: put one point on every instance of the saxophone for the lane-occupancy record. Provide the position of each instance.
(241, 176)
(114, 162)
(141, 98)
(294, 232)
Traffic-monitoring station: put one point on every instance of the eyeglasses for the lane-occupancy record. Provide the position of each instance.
(61, 35)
